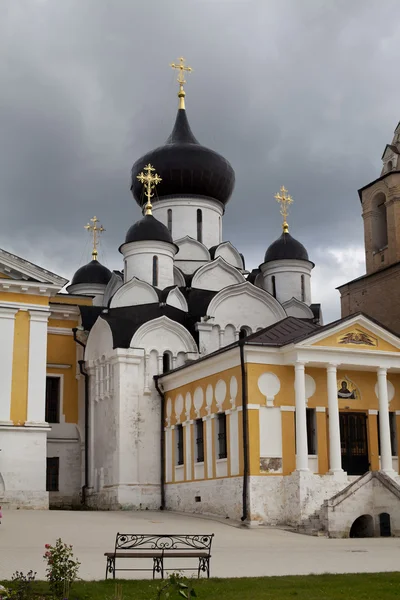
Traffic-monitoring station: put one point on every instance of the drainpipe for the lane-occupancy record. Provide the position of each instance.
(86, 400)
(162, 438)
(245, 513)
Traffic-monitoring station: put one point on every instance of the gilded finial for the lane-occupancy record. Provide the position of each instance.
(181, 79)
(95, 230)
(149, 181)
(284, 200)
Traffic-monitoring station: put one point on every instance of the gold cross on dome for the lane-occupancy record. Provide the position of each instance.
(95, 230)
(181, 79)
(149, 181)
(284, 200)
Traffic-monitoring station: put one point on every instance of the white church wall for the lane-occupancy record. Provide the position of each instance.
(68, 451)
(23, 467)
(288, 279)
(220, 497)
(245, 305)
(184, 218)
(229, 253)
(192, 250)
(100, 341)
(134, 292)
(216, 275)
(138, 262)
(295, 308)
(270, 439)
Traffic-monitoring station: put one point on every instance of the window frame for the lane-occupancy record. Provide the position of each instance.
(49, 475)
(180, 453)
(222, 445)
(199, 440)
(60, 380)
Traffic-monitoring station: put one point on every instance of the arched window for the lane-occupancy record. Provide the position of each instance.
(243, 333)
(199, 225)
(166, 360)
(273, 286)
(379, 222)
(303, 289)
(169, 217)
(389, 166)
(155, 271)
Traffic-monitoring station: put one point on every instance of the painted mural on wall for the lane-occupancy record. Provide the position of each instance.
(346, 389)
(358, 338)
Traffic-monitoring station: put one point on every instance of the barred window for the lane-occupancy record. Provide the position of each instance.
(311, 431)
(52, 474)
(52, 414)
(199, 440)
(221, 435)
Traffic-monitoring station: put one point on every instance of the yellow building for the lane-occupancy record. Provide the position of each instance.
(287, 418)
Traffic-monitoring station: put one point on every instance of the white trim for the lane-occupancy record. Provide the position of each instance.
(253, 407)
(246, 288)
(320, 409)
(59, 376)
(29, 287)
(20, 265)
(288, 409)
(59, 331)
(24, 306)
(372, 412)
(57, 366)
(64, 312)
(218, 263)
(165, 324)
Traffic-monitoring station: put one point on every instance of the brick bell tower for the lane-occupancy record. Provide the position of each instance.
(377, 293)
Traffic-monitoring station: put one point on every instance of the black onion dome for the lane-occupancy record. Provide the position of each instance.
(286, 248)
(148, 228)
(185, 167)
(93, 272)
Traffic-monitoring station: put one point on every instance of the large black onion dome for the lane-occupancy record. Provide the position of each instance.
(148, 228)
(93, 272)
(286, 248)
(186, 167)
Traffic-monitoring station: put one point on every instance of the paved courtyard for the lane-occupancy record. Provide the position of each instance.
(237, 552)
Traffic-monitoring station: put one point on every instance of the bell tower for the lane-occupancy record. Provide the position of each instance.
(376, 293)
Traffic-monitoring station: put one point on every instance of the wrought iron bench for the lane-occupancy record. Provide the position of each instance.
(160, 547)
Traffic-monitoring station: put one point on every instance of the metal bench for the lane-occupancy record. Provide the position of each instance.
(158, 548)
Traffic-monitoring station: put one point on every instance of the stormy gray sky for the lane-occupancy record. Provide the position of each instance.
(297, 92)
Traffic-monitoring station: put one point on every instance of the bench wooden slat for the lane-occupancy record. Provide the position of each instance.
(149, 554)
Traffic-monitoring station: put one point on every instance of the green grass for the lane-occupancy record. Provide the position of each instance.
(379, 586)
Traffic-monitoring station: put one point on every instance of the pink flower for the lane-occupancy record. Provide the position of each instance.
(47, 546)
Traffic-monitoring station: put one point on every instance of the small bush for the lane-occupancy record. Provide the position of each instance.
(62, 568)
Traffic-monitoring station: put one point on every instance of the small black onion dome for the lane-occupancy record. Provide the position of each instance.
(148, 228)
(286, 248)
(185, 167)
(93, 272)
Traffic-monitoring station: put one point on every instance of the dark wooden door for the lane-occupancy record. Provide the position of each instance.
(353, 438)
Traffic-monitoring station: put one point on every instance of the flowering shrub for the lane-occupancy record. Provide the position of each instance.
(62, 568)
(22, 586)
(4, 593)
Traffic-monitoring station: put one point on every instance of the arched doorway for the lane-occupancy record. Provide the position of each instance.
(384, 525)
(362, 527)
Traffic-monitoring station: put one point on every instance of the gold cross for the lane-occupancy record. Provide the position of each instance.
(181, 79)
(284, 200)
(95, 230)
(149, 181)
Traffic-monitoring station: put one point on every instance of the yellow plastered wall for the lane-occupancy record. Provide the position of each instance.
(333, 340)
(24, 298)
(61, 350)
(20, 365)
(64, 299)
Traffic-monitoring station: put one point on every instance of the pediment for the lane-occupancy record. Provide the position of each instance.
(216, 275)
(229, 253)
(357, 333)
(191, 249)
(15, 268)
(133, 293)
(298, 309)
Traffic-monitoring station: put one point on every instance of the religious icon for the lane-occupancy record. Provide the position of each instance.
(358, 337)
(346, 391)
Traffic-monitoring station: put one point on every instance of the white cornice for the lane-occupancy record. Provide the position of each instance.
(64, 312)
(59, 331)
(29, 287)
(24, 306)
(11, 262)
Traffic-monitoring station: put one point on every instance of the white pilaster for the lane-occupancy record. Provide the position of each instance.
(234, 440)
(37, 367)
(209, 446)
(384, 425)
(301, 419)
(7, 321)
(335, 452)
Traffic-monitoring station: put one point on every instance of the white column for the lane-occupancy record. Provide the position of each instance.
(384, 426)
(7, 321)
(335, 451)
(234, 440)
(37, 366)
(301, 419)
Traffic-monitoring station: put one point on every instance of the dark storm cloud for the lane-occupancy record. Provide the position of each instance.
(303, 93)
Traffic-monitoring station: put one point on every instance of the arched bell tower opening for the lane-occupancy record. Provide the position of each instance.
(379, 223)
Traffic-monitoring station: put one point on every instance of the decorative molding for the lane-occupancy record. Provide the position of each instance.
(288, 409)
(30, 270)
(59, 331)
(127, 290)
(295, 303)
(188, 241)
(247, 288)
(57, 366)
(165, 324)
(180, 300)
(23, 306)
(218, 264)
(239, 260)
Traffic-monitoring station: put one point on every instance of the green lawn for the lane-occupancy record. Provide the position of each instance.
(379, 586)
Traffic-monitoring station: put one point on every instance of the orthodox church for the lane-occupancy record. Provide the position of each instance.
(186, 382)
